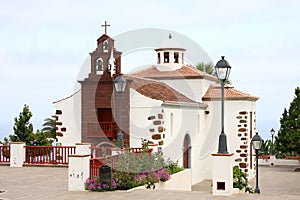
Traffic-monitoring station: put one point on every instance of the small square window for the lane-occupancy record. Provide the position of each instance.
(220, 185)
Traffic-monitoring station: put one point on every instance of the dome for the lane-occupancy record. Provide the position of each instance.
(170, 44)
(170, 56)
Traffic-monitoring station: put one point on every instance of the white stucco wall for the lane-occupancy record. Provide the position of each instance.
(17, 154)
(70, 119)
(231, 111)
(141, 108)
(203, 125)
(78, 172)
(192, 88)
(191, 121)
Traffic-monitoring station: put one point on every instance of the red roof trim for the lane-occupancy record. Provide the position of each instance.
(214, 93)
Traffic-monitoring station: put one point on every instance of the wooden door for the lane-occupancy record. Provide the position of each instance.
(186, 153)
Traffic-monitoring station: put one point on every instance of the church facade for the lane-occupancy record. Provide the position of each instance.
(172, 105)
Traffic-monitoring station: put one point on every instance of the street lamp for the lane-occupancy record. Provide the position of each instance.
(257, 143)
(120, 85)
(223, 70)
(272, 134)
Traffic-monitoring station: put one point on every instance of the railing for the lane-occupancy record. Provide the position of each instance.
(4, 154)
(48, 154)
(108, 128)
(95, 163)
(98, 152)
(110, 158)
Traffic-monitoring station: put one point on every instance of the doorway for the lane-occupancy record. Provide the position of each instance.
(187, 151)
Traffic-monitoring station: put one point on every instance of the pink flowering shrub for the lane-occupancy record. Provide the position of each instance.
(95, 185)
(149, 178)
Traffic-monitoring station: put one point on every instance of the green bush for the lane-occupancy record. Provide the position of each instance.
(173, 167)
(240, 180)
(132, 166)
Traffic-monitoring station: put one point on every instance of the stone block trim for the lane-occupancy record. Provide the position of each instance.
(160, 129)
(157, 130)
(59, 124)
(59, 134)
(151, 130)
(156, 137)
(151, 118)
(157, 122)
(243, 132)
(243, 165)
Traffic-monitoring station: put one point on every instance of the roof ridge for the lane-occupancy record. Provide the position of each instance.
(143, 78)
(176, 92)
(66, 97)
(204, 73)
(214, 92)
(142, 70)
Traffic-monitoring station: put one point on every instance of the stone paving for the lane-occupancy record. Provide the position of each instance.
(276, 183)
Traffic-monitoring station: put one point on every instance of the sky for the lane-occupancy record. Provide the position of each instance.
(43, 45)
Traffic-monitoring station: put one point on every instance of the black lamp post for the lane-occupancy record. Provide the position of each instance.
(223, 70)
(120, 85)
(257, 143)
(272, 134)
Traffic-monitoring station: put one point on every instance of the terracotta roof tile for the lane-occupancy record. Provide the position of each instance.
(184, 72)
(157, 90)
(214, 93)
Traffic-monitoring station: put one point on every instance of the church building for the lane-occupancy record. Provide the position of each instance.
(173, 105)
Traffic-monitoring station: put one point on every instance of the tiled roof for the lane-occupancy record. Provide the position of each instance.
(185, 71)
(214, 93)
(157, 90)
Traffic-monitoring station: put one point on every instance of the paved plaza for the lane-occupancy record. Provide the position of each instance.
(275, 183)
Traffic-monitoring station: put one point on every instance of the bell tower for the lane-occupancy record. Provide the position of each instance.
(105, 60)
(170, 56)
(98, 123)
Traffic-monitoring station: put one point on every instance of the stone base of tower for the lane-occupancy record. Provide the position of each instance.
(222, 165)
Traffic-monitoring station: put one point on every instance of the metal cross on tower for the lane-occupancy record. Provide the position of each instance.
(105, 27)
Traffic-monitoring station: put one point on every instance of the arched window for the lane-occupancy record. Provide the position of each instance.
(198, 124)
(158, 58)
(105, 46)
(166, 57)
(171, 125)
(99, 66)
(176, 57)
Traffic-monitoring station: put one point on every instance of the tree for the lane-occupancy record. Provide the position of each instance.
(207, 68)
(23, 129)
(42, 138)
(5, 141)
(49, 127)
(288, 139)
(266, 147)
